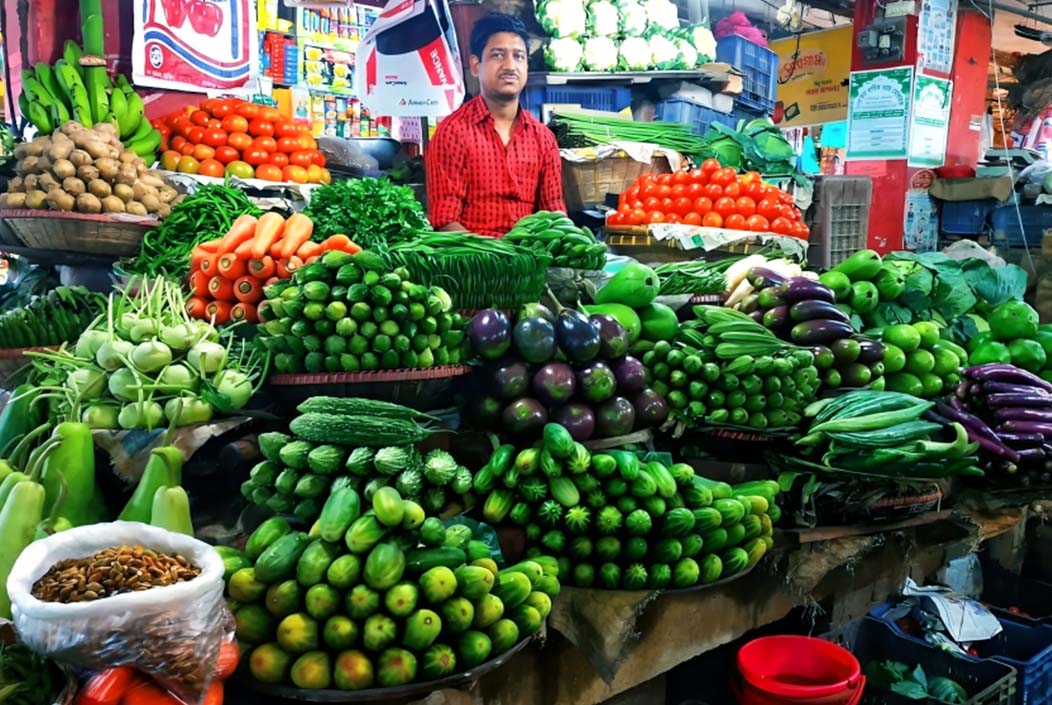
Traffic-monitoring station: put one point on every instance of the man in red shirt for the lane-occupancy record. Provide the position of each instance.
(490, 162)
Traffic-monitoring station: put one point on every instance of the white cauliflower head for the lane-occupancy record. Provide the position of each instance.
(603, 19)
(688, 52)
(704, 43)
(563, 54)
(562, 18)
(636, 54)
(662, 14)
(633, 18)
(667, 55)
(600, 54)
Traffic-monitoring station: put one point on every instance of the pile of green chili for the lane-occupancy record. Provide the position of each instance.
(204, 215)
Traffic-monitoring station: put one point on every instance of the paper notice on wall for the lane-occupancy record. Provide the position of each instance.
(195, 45)
(409, 63)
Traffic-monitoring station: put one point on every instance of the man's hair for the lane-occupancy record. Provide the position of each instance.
(492, 24)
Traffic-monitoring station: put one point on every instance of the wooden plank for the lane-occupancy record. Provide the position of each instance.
(830, 533)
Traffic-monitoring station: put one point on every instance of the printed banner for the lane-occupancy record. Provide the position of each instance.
(409, 63)
(931, 121)
(195, 45)
(813, 69)
(879, 114)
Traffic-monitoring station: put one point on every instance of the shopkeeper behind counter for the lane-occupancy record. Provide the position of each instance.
(492, 163)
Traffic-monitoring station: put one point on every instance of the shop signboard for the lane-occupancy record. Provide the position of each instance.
(813, 69)
(879, 113)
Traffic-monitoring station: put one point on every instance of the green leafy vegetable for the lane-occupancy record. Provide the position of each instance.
(369, 211)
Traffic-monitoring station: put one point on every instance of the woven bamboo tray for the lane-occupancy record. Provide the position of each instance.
(84, 233)
(424, 389)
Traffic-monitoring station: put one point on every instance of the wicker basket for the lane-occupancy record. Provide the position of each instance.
(425, 388)
(82, 233)
(585, 184)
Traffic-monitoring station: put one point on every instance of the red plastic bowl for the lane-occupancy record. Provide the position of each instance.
(799, 667)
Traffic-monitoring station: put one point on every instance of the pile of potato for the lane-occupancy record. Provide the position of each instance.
(87, 170)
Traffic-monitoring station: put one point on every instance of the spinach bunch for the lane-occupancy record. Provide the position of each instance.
(372, 212)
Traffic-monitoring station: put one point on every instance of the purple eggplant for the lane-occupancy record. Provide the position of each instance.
(630, 373)
(613, 338)
(1022, 440)
(1043, 401)
(870, 351)
(524, 417)
(554, 384)
(577, 336)
(534, 339)
(490, 334)
(1045, 429)
(750, 304)
(614, 417)
(961, 390)
(975, 426)
(1023, 413)
(596, 382)
(776, 318)
(814, 309)
(511, 380)
(757, 315)
(1031, 456)
(1001, 372)
(803, 289)
(1007, 388)
(820, 332)
(578, 419)
(534, 310)
(770, 297)
(761, 277)
(651, 409)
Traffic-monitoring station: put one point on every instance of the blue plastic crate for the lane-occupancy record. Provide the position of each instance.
(696, 117)
(1025, 647)
(965, 217)
(608, 98)
(1036, 219)
(760, 67)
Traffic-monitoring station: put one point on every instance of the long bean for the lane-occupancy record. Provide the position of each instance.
(599, 129)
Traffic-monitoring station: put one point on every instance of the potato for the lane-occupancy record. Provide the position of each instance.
(21, 152)
(60, 149)
(36, 199)
(37, 146)
(124, 192)
(151, 179)
(88, 172)
(151, 202)
(140, 189)
(112, 204)
(107, 168)
(59, 200)
(128, 157)
(30, 165)
(16, 185)
(73, 186)
(106, 128)
(79, 157)
(127, 175)
(43, 165)
(13, 200)
(135, 208)
(88, 203)
(48, 182)
(164, 211)
(30, 181)
(63, 168)
(167, 193)
(72, 128)
(99, 188)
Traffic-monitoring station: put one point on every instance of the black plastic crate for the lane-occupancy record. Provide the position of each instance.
(1003, 590)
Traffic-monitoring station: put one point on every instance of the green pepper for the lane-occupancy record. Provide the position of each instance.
(74, 460)
(164, 465)
(861, 266)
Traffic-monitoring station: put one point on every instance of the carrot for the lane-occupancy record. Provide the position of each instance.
(275, 249)
(210, 246)
(244, 311)
(231, 266)
(311, 260)
(352, 248)
(262, 268)
(272, 280)
(298, 229)
(226, 662)
(269, 230)
(248, 289)
(309, 249)
(197, 255)
(221, 288)
(208, 264)
(295, 262)
(195, 306)
(219, 310)
(335, 242)
(242, 229)
(199, 283)
(244, 250)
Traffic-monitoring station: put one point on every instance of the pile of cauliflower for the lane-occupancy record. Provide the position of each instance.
(621, 35)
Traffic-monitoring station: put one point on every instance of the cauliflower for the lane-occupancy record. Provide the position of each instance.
(662, 14)
(703, 41)
(635, 54)
(633, 18)
(562, 18)
(603, 19)
(690, 54)
(600, 54)
(667, 55)
(563, 55)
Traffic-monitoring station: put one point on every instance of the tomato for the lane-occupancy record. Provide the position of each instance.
(746, 206)
(724, 206)
(667, 205)
(200, 117)
(195, 135)
(702, 205)
(225, 154)
(733, 189)
(683, 205)
(649, 190)
(699, 176)
(240, 169)
(664, 191)
(284, 128)
(631, 194)
(734, 221)
(769, 209)
(224, 108)
(211, 167)
(681, 177)
(636, 204)
(679, 190)
(710, 165)
(268, 172)
(202, 152)
(655, 217)
(624, 206)
(254, 156)
(751, 177)
(758, 224)
(318, 175)
(267, 144)
(177, 142)
(107, 687)
(664, 180)
(638, 216)
(692, 218)
(187, 165)
(182, 127)
(214, 137)
(652, 204)
(672, 218)
(801, 231)
(723, 177)
(259, 127)
(782, 226)
(695, 190)
(270, 114)
(279, 160)
(214, 124)
(613, 219)
(239, 141)
(208, 104)
(712, 220)
(169, 159)
(753, 190)
(234, 123)
(248, 110)
(714, 191)
(187, 148)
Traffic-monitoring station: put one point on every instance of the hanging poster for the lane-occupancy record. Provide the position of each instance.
(878, 114)
(195, 45)
(812, 72)
(931, 121)
(921, 222)
(935, 35)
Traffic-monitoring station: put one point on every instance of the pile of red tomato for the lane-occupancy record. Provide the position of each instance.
(247, 140)
(711, 196)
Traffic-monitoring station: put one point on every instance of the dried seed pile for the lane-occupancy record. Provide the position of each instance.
(112, 571)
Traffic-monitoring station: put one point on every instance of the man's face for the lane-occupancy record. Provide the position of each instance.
(501, 70)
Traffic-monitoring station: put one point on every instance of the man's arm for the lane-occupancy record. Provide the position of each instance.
(446, 180)
(550, 185)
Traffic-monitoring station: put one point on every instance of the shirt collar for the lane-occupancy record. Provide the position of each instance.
(480, 113)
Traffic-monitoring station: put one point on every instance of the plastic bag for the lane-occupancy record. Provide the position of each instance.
(346, 153)
(172, 633)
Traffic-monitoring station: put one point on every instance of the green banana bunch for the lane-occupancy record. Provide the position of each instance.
(60, 316)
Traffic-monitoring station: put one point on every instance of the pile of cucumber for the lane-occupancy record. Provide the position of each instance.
(552, 232)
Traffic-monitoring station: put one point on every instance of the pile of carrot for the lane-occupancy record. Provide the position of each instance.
(227, 275)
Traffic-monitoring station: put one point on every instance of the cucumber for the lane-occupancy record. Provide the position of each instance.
(422, 560)
(341, 509)
(279, 560)
(265, 534)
